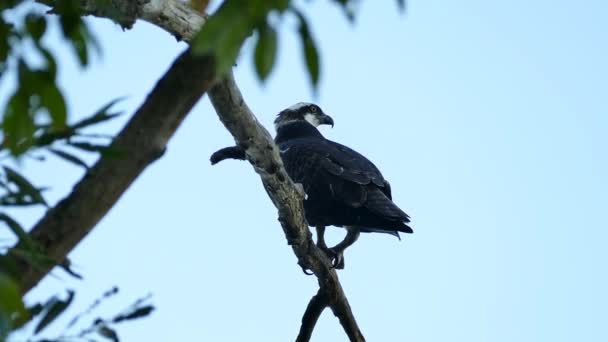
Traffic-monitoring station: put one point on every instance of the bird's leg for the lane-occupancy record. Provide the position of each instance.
(352, 234)
(322, 246)
(321, 237)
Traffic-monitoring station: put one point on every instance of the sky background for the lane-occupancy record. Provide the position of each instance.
(490, 120)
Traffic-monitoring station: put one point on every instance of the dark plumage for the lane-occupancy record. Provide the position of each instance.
(343, 188)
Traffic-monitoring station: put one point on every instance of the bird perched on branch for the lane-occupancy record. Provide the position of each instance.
(343, 188)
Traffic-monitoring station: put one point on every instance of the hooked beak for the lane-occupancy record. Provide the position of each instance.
(327, 120)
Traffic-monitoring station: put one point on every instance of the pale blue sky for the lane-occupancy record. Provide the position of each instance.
(489, 118)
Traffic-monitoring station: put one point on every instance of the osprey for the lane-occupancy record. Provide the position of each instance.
(343, 188)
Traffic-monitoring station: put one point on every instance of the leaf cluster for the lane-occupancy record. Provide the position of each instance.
(236, 20)
(15, 315)
(17, 191)
(37, 98)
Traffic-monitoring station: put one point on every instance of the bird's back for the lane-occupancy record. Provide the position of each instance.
(343, 187)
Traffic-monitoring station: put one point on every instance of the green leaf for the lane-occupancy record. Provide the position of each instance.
(311, 53)
(53, 101)
(101, 115)
(265, 51)
(35, 25)
(15, 200)
(54, 308)
(8, 266)
(30, 80)
(66, 266)
(279, 5)
(106, 151)
(224, 33)
(37, 90)
(215, 39)
(18, 125)
(24, 185)
(9, 3)
(69, 157)
(16, 228)
(38, 260)
(49, 136)
(137, 313)
(78, 41)
(6, 31)
(51, 64)
(12, 308)
(107, 332)
(36, 309)
(88, 146)
(74, 29)
(312, 61)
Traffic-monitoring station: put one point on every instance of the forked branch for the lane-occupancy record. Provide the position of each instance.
(315, 308)
(263, 154)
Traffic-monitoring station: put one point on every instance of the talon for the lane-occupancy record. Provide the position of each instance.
(305, 270)
(328, 252)
(338, 260)
(339, 264)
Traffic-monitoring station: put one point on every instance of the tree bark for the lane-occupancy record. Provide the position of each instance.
(315, 308)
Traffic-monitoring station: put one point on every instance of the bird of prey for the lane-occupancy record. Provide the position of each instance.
(343, 188)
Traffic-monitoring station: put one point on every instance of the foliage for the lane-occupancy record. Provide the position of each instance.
(37, 100)
(12, 309)
(247, 17)
(17, 191)
(15, 315)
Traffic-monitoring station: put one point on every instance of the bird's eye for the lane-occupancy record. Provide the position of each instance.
(313, 109)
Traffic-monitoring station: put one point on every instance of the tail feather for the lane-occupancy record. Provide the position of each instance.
(390, 219)
(394, 233)
(379, 204)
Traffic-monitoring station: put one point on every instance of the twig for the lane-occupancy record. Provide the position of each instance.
(315, 307)
(232, 152)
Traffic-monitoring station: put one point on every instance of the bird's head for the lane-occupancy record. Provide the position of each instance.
(303, 111)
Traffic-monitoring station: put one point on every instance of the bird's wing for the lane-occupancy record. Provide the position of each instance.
(330, 170)
(310, 162)
(315, 161)
(354, 167)
(351, 165)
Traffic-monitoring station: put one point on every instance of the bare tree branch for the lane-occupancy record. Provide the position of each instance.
(174, 16)
(140, 143)
(232, 152)
(315, 308)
